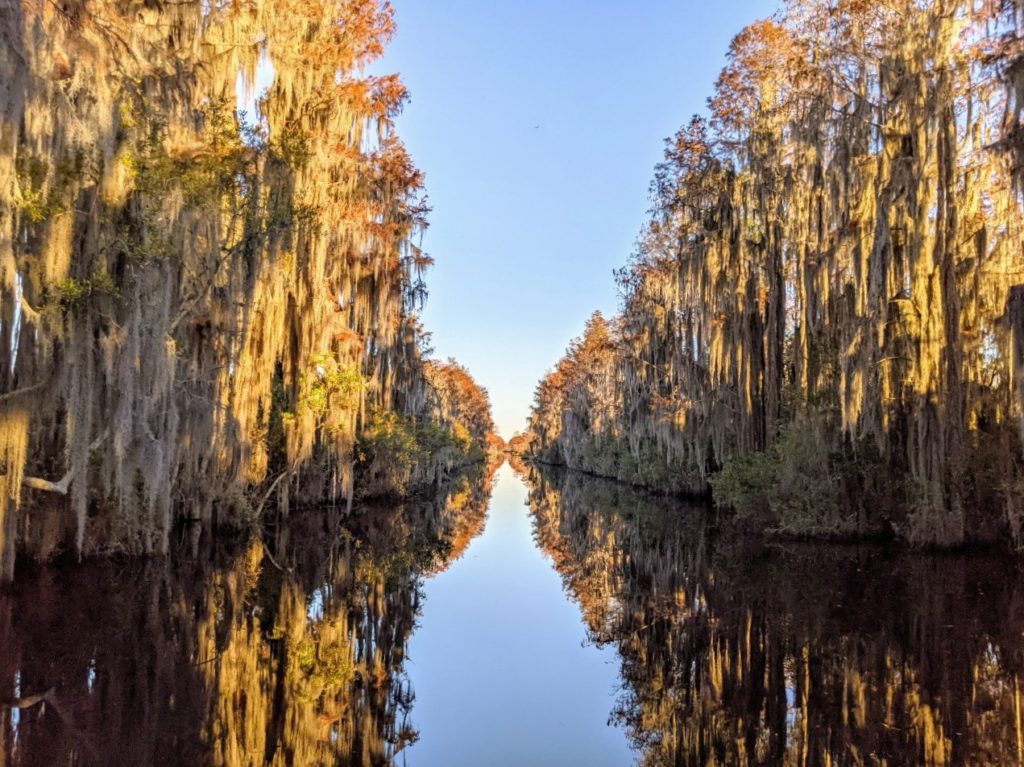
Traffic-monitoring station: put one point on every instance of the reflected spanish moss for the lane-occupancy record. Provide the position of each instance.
(742, 652)
(284, 651)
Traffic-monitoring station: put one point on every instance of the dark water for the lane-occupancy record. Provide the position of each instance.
(596, 627)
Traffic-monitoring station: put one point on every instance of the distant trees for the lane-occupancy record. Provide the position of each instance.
(830, 268)
(449, 430)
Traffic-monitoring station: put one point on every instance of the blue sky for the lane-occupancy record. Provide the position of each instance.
(538, 124)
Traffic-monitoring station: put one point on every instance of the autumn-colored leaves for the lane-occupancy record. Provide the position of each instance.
(830, 252)
(261, 277)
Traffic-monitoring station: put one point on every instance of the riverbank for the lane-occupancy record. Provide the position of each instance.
(752, 508)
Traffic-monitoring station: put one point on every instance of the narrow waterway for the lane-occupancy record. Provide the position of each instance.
(540, 618)
(502, 668)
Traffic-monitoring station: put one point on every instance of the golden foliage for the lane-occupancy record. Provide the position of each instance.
(202, 304)
(838, 244)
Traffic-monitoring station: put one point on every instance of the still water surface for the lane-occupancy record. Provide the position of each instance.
(502, 669)
(561, 621)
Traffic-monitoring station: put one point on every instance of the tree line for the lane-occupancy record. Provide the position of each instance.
(822, 323)
(201, 309)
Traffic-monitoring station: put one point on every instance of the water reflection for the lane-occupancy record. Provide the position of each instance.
(281, 654)
(733, 651)
(738, 652)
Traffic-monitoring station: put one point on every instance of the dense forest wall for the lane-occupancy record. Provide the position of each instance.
(823, 316)
(200, 308)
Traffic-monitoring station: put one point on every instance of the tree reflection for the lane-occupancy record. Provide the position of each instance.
(285, 651)
(743, 652)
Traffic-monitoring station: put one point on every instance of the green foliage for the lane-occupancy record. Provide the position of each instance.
(330, 386)
(291, 148)
(40, 193)
(745, 482)
(794, 482)
(72, 292)
(406, 440)
(434, 438)
(36, 205)
(550, 455)
(151, 247)
(391, 433)
(601, 457)
(397, 453)
(325, 667)
(612, 456)
(206, 173)
(284, 213)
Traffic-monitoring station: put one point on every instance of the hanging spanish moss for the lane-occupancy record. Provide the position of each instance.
(822, 319)
(199, 307)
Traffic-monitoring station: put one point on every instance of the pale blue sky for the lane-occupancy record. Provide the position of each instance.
(499, 662)
(538, 124)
